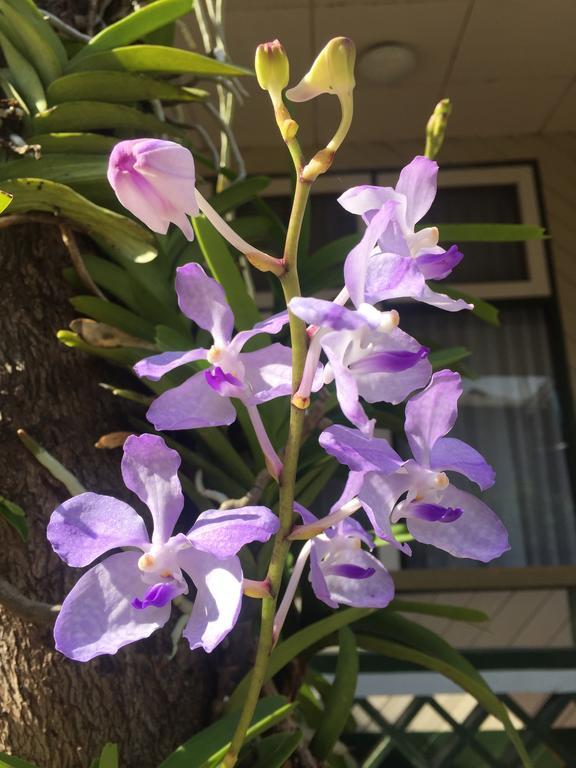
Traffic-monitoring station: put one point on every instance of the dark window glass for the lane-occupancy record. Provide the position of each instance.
(483, 262)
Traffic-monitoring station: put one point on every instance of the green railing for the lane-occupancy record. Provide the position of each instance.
(383, 742)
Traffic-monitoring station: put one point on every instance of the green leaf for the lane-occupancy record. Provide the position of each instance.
(224, 269)
(415, 644)
(109, 756)
(274, 751)
(15, 516)
(74, 143)
(454, 612)
(84, 173)
(443, 358)
(207, 748)
(25, 77)
(329, 256)
(118, 235)
(238, 193)
(296, 644)
(482, 309)
(112, 314)
(136, 25)
(100, 115)
(8, 761)
(341, 698)
(118, 87)
(34, 38)
(5, 200)
(490, 233)
(155, 58)
(56, 469)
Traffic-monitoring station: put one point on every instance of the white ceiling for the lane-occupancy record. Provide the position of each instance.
(509, 66)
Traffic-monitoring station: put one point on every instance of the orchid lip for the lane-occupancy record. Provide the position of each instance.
(217, 378)
(435, 513)
(389, 362)
(349, 571)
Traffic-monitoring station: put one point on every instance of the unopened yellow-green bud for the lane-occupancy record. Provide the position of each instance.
(436, 128)
(272, 68)
(331, 72)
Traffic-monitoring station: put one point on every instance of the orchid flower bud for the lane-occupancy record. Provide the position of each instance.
(155, 180)
(332, 72)
(436, 128)
(272, 69)
(273, 72)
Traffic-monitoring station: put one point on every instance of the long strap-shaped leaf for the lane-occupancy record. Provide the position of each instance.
(341, 697)
(207, 748)
(136, 25)
(156, 58)
(224, 269)
(298, 642)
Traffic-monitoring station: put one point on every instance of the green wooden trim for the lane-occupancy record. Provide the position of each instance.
(468, 579)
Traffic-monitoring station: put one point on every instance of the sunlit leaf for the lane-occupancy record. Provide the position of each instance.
(207, 748)
(157, 59)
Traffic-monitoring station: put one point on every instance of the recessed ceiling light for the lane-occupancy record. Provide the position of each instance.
(386, 63)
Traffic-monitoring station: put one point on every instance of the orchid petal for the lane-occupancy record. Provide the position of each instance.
(158, 365)
(356, 578)
(268, 374)
(218, 599)
(356, 264)
(432, 413)
(150, 470)
(346, 383)
(272, 325)
(97, 616)
(223, 533)
(203, 300)
(191, 405)
(326, 314)
(417, 182)
(477, 534)
(89, 525)
(378, 496)
(360, 452)
(449, 453)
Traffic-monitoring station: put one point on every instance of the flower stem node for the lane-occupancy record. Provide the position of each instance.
(265, 263)
(319, 164)
(300, 402)
(272, 69)
(257, 589)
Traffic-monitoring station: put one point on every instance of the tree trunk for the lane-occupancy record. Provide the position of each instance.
(55, 712)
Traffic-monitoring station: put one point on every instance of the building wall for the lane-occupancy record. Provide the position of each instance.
(556, 158)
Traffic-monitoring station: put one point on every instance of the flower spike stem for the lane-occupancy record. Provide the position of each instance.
(291, 288)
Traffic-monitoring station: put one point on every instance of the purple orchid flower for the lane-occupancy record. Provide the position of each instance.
(393, 260)
(155, 180)
(368, 355)
(128, 595)
(436, 512)
(341, 572)
(204, 400)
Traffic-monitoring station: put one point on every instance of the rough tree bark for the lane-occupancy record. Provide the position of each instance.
(55, 712)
